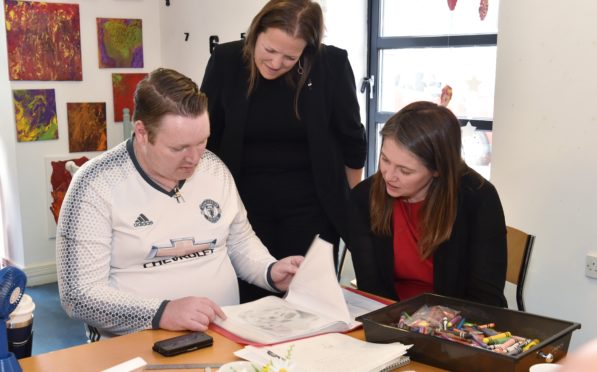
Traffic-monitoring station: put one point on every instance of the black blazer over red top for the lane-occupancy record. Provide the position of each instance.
(470, 265)
(328, 107)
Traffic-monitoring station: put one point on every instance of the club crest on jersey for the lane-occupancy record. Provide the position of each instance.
(211, 210)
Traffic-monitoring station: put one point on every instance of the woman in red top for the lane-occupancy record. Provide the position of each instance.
(426, 222)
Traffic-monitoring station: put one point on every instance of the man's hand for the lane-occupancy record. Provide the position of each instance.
(283, 271)
(190, 313)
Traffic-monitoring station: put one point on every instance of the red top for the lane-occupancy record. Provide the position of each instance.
(412, 275)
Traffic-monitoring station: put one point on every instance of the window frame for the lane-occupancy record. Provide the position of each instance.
(376, 44)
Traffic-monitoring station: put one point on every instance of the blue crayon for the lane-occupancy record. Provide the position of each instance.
(461, 323)
(489, 332)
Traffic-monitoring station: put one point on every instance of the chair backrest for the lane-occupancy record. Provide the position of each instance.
(341, 258)
(520, 245)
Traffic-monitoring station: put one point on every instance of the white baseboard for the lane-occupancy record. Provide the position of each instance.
(41, 274)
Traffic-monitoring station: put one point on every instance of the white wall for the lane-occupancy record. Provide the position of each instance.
(225, 18)
(544, 149)
(11, 236)
(28, 158)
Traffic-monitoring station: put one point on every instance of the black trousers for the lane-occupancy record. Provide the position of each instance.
(286, 215)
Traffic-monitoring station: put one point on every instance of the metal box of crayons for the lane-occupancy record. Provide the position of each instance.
(551, 336)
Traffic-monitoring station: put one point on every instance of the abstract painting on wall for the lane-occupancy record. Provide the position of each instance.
(35, 114)
(87, 126)
(43, 41)
(123, 90)
(120, 42)
(59, 172)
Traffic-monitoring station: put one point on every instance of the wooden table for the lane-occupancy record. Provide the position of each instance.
(108, 353)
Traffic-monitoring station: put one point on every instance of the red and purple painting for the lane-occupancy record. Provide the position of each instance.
(59, 181)
(120, 42)
(87, 126)
(35, 114)
(123, 90)
(43, 40)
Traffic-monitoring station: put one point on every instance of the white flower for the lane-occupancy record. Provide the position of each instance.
(280, 365)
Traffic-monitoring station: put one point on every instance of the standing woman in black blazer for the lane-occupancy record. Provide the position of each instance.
(285, 120)
(426, 222)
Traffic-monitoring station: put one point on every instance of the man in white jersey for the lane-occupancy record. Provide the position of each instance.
(153, 234)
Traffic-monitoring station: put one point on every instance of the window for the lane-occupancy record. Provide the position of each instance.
(419, 47)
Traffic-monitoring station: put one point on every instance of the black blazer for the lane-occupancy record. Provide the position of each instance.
(470, 265)
(328, 106)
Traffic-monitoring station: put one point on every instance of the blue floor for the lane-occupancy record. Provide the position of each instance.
(52, 328)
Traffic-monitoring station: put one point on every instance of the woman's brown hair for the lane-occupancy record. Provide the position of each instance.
(432, 133)
(298, 18)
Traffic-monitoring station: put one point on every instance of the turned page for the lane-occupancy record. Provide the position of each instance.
(315, 285)
(315, 303)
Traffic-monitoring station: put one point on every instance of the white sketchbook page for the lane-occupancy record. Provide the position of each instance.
(315, 285)
(359, 305)
(330, 352)
(315, 303)
(272, 319)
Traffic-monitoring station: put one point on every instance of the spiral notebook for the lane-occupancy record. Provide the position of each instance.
(331, 352)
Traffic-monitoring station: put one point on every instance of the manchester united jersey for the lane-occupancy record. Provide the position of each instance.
(124, 245)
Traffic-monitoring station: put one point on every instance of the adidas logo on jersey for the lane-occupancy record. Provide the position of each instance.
(142, 220)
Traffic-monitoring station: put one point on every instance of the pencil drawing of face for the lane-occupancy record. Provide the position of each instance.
(279, 319)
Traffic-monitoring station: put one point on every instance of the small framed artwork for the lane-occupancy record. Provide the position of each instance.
(87, 126)
(35, 114)
(59, 171)
(123, 90)
(43, 41)
(120, 42)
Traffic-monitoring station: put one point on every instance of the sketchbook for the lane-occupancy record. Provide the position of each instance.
(314, 304)
(332, 352)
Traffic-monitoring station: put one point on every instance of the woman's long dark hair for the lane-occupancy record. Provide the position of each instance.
(432, 133)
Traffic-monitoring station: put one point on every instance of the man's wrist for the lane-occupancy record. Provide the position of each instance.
(155, 322)
(269, 278)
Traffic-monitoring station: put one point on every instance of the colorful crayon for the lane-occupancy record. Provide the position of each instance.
(492, 339)
(526, 347)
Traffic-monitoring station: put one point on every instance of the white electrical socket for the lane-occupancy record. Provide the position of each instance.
(591, 265)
